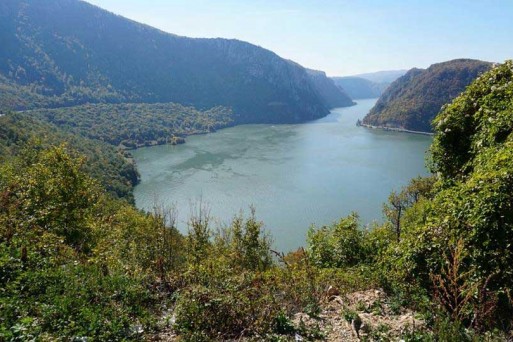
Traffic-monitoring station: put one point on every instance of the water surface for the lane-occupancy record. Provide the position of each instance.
(294, 175)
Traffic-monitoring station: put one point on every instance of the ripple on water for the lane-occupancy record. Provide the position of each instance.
(294, 175)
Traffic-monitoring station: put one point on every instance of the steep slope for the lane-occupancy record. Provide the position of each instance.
(68, 52)
(385, 76)
(472, 156)
(360, 88)
(114, 169)
(412, 101)
(332, 95)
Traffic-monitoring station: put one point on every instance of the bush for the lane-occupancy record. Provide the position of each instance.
(57, 229)
(237, 306)
(72, 301)
(470, 206)
(245, 243)
(338, 245)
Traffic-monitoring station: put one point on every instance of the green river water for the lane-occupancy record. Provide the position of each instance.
(294, 175)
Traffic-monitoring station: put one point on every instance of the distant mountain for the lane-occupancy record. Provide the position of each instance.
(413, 100)
(58, 53)
(332, 95)
(367, 86)
(386, 76)
(360, 88)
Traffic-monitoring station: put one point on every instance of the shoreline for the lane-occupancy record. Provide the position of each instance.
(394, 129)
(176, 139)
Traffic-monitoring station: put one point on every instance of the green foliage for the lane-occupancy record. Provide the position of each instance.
(198, 238)
(73, 261)
(138, 243)
(471, 206)
(283, 325)
(475, 200)
(376, 241)
(338, 245)
(136, 125)
(74, 301)
(245, 243)
(419, 188)
(76, 263)
(349, 315)
(234, 308)
(59, 199)
(478, 123)
(61, 53)
(115, 170)
(235, 290)
(413, 101)
(380, 333)
(345, 244)
(224, 293)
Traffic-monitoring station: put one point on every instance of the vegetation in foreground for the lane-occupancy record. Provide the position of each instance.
(114, 169)
(76, 263)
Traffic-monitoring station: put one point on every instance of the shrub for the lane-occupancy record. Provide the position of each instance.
(57, 226)
(246, 244)
(471, 205)
(338, 245)
(237, 306)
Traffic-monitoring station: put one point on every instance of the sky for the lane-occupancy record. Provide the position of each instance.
(341, 37)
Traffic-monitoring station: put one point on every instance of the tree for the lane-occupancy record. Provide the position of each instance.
(472, 201)
(338, 245)
(48, 189)
(398, 203)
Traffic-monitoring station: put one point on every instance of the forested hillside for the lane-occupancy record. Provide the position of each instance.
(412, 101)
(132, 125)
(67, 52)
(458, 244)
(114, 169)
(78, 264)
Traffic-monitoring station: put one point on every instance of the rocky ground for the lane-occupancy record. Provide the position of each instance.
(365, 315)
(358, 316)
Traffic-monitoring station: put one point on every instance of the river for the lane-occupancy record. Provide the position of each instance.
(294, 175)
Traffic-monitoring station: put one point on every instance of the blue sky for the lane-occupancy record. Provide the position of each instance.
(341, 37)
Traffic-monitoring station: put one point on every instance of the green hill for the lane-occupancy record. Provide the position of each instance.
(413, 100)
(67, 52)
(132, 125)
(114, 169)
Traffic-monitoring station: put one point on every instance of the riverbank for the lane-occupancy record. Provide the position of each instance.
(394, 129)
(335, 166)
(175, 139)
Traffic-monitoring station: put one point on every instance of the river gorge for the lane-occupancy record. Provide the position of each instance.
(294, 175)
